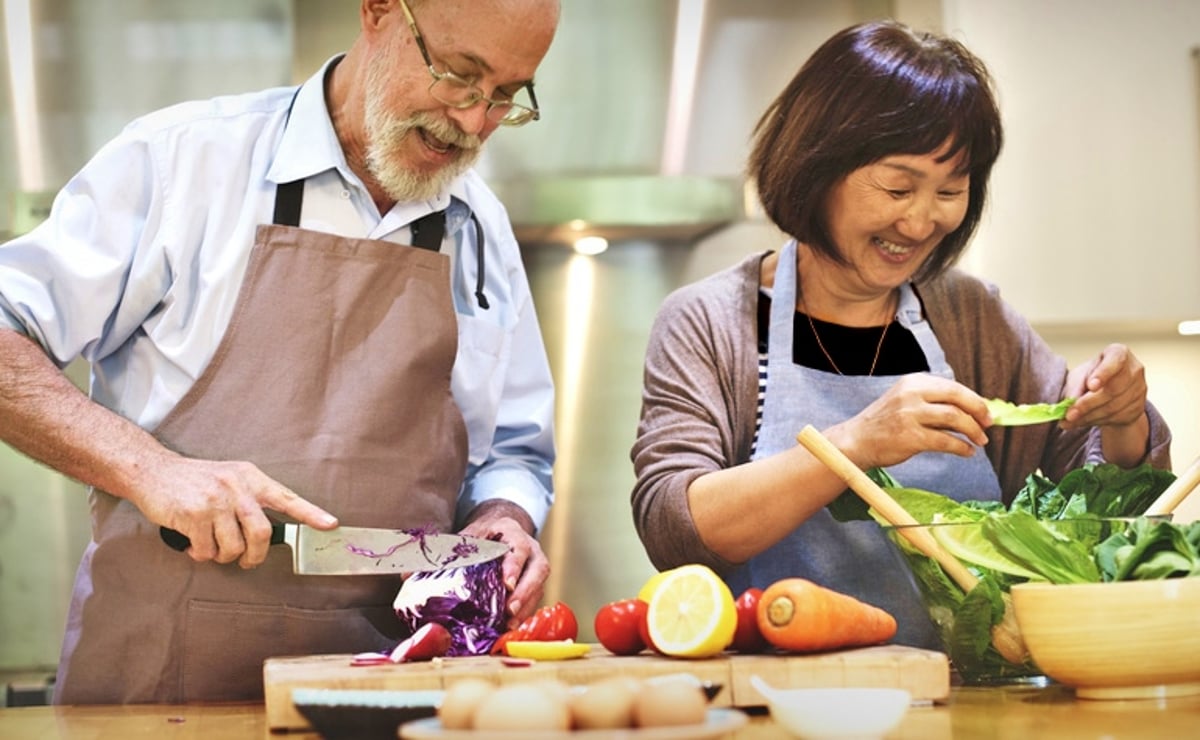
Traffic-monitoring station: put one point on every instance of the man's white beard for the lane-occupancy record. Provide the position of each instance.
(385, 133)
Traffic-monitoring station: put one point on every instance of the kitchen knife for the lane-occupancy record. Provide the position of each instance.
(369, 551)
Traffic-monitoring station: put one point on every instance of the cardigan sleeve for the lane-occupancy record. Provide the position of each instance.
(698, 396)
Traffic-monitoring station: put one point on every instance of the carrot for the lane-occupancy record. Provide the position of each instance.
(798, 615)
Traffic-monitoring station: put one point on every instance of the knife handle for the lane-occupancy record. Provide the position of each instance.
(179, 541)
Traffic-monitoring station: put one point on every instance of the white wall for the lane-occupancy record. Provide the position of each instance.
(1096, 207)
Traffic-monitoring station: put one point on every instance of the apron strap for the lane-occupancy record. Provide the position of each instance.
(428, 231)
(289, 197)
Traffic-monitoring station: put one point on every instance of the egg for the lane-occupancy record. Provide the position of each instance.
(669, 703)
(524, 707)
(605, 704)
(462, 698)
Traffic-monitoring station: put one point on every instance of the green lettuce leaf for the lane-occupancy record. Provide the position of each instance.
(1150, 549)
(1060, 552)
(1099, 489)
(849, 506)
(1008, 414)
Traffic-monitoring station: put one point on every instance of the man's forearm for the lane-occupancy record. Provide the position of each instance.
(45, 416)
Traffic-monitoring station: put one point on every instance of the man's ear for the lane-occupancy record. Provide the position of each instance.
(372, 12)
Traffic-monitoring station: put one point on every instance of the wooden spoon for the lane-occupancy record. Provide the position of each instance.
(1006, 636)
(1177, 491)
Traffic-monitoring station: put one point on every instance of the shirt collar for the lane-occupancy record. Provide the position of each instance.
(309, 144)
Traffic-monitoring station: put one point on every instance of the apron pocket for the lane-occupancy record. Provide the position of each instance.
(225, 644)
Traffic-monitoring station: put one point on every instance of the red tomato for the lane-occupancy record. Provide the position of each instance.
(619, 626)
(549, 623)
(498, 646)
(748, 638)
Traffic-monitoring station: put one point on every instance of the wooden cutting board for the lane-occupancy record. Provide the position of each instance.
(924, 673)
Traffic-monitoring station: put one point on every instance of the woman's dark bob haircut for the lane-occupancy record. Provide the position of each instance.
(871, 91)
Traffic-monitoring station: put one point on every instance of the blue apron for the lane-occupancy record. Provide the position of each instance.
(851, 557)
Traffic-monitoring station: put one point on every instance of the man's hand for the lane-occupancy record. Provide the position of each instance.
(219, 507)
(525, 567)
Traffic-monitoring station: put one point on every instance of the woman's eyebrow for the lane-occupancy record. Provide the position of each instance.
(917, 172)
(904, 168)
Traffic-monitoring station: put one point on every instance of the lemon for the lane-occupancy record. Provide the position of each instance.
(651, 583)
(692, 613)
(547, 649)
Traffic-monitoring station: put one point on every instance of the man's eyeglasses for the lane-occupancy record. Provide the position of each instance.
(452, 90)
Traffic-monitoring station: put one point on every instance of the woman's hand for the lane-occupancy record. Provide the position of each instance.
(1110, 392)
(920, 413)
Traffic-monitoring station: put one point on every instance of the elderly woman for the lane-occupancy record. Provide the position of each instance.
(875, 160)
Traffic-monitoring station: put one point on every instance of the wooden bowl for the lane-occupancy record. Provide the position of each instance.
(1125, 640)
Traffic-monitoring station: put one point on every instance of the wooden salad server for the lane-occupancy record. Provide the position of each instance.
(1177, 491)
(1006, 636)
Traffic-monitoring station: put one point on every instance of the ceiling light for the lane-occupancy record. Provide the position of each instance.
(1189, 328)
(590, 245)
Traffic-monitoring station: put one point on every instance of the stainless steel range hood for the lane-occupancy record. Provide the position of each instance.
(648, 111)
(561, 209)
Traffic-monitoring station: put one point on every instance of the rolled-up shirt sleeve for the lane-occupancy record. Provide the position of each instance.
(71, 284)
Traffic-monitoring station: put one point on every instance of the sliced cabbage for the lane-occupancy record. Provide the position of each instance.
(468, 601)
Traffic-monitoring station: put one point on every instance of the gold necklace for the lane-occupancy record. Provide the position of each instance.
(821, 345)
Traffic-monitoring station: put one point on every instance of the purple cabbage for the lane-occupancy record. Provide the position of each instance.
(468, 601)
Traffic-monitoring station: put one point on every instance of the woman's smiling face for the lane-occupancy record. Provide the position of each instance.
(887, 217)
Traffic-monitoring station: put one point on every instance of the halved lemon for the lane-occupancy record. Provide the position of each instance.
(647, 589)
(547, 649)
(692, 613)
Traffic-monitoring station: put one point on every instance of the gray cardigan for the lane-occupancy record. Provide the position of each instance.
(700, 389)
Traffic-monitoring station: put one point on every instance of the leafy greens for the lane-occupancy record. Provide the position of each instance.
(1008, 414)
(1085, 528)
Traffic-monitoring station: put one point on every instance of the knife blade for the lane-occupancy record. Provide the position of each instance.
(368, 550)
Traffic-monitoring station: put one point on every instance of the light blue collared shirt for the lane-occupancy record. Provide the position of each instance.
(138, 266)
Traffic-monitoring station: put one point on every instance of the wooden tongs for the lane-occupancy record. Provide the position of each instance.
(1006, 636)
(1177, 491)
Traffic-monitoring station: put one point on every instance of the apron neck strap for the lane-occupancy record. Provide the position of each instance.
(289, 197)
(429, 230)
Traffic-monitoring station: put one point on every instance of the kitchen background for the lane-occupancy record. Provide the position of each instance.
(1093, 231)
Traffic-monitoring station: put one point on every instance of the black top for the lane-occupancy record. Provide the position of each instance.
(852, 348)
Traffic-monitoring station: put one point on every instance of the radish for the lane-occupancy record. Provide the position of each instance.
(431, 640)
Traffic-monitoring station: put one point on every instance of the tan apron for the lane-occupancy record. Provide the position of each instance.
(333, 377)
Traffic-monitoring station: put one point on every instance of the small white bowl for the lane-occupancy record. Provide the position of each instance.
(826, 714)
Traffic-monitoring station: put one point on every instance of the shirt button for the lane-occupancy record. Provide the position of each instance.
(345, 194)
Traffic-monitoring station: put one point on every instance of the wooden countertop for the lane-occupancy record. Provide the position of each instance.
(1019, 713)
